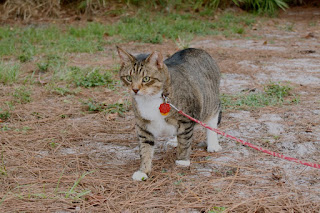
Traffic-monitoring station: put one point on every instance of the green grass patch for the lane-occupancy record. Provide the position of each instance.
(26, 42)
(72, 193)
(273, 94)
(9, 72)
(155, 27)
(90, 77)
(22, 95)
(94, 106)
(61, 91)
(4, 114)
(217, 209)
(149, 27)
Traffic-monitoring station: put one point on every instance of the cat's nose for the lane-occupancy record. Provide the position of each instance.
(135, 90)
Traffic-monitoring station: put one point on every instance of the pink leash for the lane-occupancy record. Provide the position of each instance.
(314, 165)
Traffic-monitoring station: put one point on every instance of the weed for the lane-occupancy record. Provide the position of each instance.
(43, 66)
(289, 27)
(24, 58)
(312, 24)
(238, 30)
(277, 91)
(90, 77)
(276, 137)
(217, 209)
(115, 108)
(9, 72)
(62, 91)
(25, 129)
(119, 108)
(53, 144)
(178, 182)
(262, 6)
(22, 95)
(3, 170)
(78, 195)
(4, 115)
(115, 12)
(37, 115)
(94, 106)
(273, 94)
(5, 128)
(207, 7)
(183, 43)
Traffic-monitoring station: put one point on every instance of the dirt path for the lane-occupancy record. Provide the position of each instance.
(43, 164)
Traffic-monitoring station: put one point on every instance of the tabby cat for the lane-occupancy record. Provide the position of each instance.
(190, 80)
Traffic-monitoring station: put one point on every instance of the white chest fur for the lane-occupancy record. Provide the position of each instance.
(149, 110)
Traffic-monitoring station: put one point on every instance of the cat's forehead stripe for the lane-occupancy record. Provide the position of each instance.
(137, 68)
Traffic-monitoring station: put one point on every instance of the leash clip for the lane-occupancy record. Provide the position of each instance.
(165, 99)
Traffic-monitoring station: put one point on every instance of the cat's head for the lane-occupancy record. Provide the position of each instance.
(144, 74)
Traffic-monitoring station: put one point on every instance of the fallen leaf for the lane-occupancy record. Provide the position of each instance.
(106, 35)
(310, 35)
(308, 129)
(307, 51)
(111, 117)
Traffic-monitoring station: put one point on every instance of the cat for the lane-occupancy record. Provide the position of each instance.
(190, 80)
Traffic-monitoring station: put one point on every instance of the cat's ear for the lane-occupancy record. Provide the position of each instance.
(155, 59)
(125, 57)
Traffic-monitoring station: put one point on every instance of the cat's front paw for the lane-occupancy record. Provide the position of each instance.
(183, 163)
(139, 176)
(216, 148)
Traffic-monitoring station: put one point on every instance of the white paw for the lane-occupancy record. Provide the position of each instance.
(139, 176)
(172, 142)
(183, 163)
(216, 148)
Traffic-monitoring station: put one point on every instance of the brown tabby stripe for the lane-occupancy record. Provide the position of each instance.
(144, 130)
(150, 83)
(149, 142)
(141, 136)
(188, 137)
(188, 130)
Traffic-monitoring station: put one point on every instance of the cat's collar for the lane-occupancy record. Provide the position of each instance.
(165, 97)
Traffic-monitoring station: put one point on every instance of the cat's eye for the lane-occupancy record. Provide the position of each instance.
(146, 79)
(128, 78)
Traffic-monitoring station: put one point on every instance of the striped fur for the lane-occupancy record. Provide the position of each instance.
(190, 79)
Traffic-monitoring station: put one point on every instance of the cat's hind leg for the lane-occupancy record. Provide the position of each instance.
(212, 137)
(184, 136)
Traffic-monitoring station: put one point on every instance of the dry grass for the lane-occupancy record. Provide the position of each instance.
(42, 165)
(26, 9)
(57, 157)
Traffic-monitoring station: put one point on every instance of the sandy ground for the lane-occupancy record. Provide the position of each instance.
(237, 179)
